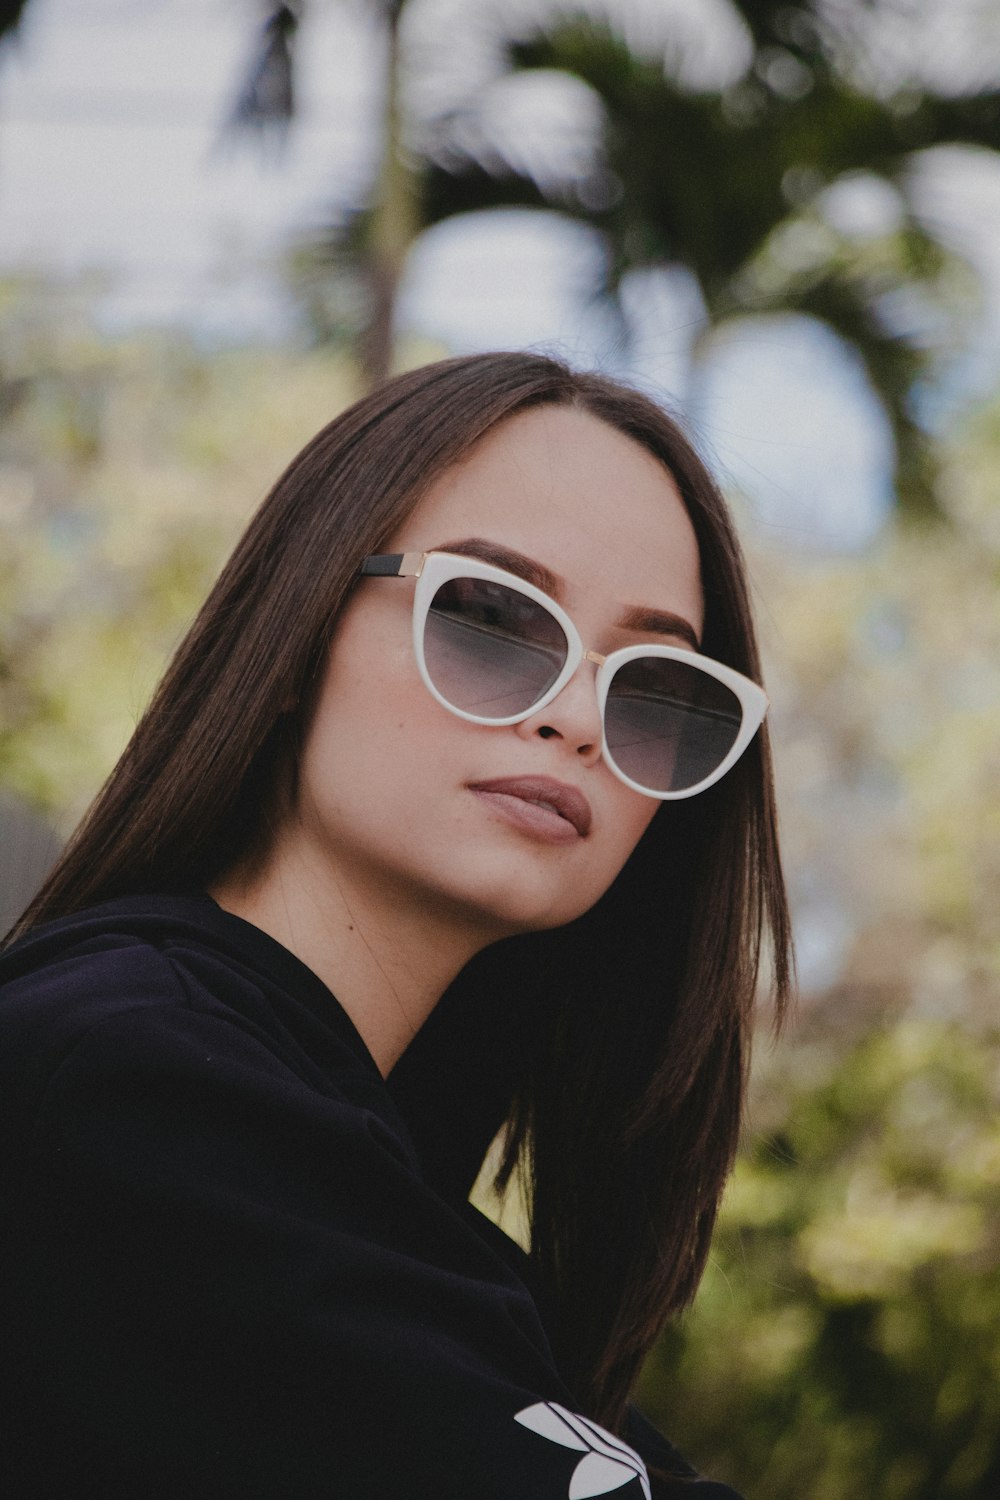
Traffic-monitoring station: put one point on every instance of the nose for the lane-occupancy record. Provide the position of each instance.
(572, 717)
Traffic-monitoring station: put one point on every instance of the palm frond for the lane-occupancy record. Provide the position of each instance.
(712, 180)
(849, 290)
(11, 14)
(265, 103)
(462, 183)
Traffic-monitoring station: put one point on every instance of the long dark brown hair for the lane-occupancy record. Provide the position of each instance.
(624, 1111)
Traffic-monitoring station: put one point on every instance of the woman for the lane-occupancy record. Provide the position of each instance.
(431, 748)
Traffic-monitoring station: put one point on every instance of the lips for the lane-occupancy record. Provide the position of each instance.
(543, 791)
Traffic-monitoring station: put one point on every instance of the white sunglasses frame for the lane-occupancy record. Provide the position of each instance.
(433, 569)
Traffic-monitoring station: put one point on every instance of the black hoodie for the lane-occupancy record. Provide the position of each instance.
(228, 1269)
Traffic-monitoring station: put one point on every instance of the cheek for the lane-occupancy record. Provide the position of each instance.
(376, 728)
(358, 743)
(633, 814)
(353, 731)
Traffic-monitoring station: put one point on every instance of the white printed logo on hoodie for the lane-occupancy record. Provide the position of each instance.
(609, 1463)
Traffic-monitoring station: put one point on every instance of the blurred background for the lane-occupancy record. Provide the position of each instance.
(220, 221)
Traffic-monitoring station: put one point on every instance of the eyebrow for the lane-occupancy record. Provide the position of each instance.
(509, 560)
(659, 622)
(633, 617)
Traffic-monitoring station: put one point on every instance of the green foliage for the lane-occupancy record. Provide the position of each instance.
(885, 677)
(127, 470)
(846, 1339)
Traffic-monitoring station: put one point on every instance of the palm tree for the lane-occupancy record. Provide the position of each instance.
(731, 185)
(728, 183)
(370, 245)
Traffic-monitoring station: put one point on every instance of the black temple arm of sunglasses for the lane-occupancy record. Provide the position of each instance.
(392, 565)
(382, 565)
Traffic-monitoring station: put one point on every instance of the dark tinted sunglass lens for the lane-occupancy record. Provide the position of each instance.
(489, 649)
(669, 725)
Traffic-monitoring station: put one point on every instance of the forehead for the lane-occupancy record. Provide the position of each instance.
(583, 499)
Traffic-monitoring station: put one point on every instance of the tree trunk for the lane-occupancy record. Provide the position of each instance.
(394, 219)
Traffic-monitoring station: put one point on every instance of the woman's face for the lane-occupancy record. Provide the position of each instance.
(398, 797)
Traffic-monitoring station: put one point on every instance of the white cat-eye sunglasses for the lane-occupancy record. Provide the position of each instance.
(494, 649)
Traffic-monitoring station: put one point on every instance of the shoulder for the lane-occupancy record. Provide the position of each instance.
(169, 978)
(69, 976)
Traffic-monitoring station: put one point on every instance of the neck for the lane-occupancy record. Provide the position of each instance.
(385, 957)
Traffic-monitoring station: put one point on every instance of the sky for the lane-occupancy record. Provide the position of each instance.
(113, 159)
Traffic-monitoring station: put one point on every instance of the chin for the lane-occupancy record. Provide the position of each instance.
(514, 912)
(504, 897)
